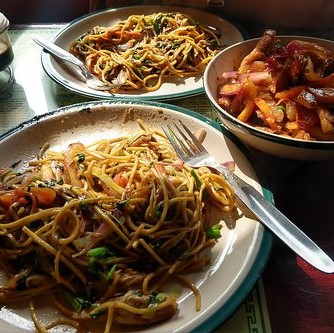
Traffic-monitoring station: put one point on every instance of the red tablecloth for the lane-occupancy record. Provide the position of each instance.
(300, 298)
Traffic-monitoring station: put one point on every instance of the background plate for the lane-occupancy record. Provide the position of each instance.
(238, 258)
(64, 74)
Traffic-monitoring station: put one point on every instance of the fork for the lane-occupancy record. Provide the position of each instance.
(91, 81)
(194, 154)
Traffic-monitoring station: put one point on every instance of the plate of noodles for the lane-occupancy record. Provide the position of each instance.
(103, 228)
(142, 52)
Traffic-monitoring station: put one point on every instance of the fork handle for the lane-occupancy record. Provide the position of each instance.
(279, 224)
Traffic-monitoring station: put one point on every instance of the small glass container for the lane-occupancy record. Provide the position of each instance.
(6, 55)
(6, 51)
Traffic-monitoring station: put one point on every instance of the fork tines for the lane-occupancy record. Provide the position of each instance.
(181, 142)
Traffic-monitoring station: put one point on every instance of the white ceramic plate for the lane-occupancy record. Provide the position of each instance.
(65, 75)
(237, 259)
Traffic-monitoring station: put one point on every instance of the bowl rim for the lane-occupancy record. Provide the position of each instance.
(277, 138)
(280, 139)
(289, 37)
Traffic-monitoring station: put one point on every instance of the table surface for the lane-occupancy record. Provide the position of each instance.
(291, 296)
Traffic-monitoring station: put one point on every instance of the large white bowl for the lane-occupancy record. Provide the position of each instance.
(229, 59)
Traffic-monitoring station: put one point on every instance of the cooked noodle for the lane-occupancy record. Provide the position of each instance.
(139, 52)
(103, 227)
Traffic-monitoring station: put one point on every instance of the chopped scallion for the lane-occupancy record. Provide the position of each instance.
(214, 231)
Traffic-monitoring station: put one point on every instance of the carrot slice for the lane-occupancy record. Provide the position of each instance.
(45, 195)
(290, 93)
(247, 111)
(265, 110)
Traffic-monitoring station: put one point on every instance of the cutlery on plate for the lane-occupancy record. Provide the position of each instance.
(91, 81)
(193, 153)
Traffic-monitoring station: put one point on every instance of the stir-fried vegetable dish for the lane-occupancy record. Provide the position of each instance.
(283, 89)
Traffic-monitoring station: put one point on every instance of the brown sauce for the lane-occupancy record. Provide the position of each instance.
(6, 58)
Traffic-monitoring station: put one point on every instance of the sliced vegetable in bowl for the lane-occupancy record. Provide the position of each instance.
(278, 89)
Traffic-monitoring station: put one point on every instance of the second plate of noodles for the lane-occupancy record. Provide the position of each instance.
(141, 52)
(102, 216)
(146, 52)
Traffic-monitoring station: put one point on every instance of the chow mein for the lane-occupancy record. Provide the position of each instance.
(102, 228)
(141, 51)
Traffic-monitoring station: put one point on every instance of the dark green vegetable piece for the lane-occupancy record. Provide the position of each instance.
(77, 303)
(198, 182)
(159, 209)
(214, 231)
(97, 252)
(81, 157)
(98, 262)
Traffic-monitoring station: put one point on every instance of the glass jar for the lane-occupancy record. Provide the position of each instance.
(6, 51)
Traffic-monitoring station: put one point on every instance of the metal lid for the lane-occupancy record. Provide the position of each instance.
(4, 23)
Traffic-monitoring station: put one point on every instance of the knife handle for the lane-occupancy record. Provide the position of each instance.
(57, 51)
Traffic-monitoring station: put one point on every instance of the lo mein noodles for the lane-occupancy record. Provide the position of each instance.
(139, 52)
(102, 228)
